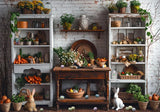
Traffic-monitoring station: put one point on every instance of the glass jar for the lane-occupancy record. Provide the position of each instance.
(114, 74)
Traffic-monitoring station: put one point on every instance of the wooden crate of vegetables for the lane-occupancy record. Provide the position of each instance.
(33, 79)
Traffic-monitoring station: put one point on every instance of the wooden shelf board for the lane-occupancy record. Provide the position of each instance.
(42, 84)
(121, 63)
(127, 81)
(40, 102)
(29, 16)
(129, 45)
(130, 101)
(129, 28)
(82, 30)
(33, 28)
(126, 15)
(37, 64)
(26, 46)
(91, 99)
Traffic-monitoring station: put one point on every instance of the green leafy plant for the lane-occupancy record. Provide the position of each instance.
(135, 3)
(132, 57)
(17, 98)
(20, 81)
(67, 18)
(134, 89)
(91, 55)
(140, 58)
(13, 19)
(139, 39)
(142, 98)
(143, 13)
(121, 4)
(112, 7)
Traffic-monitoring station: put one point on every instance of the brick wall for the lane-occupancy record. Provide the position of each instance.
(98, 13)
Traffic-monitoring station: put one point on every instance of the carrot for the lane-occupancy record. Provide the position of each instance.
(19, 59)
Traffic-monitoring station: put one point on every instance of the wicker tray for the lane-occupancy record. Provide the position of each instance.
(130, 77)
(75, 95)
(115, 23)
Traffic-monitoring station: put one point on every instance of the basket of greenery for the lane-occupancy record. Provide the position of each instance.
(112, 8)
(66, 21)
(121, 5)
(17, 101)
(142, 101)
(134, 6)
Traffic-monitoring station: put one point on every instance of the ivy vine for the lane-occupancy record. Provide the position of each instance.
(143, 14)
(13, 26)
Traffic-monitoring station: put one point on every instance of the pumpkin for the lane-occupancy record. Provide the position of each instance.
(150, 97)
(1, 102)
(4, 98)
(8, 101)
(155, 97)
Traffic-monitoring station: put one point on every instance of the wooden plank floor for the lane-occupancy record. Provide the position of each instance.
(84, 109)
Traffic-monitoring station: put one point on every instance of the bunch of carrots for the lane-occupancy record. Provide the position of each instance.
(20, 60)
(33, 79)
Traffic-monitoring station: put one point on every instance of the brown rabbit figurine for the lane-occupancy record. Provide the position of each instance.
(30, 105)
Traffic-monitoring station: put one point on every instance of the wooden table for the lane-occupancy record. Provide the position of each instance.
(82, 74)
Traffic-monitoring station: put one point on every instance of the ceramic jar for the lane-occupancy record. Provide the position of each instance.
(83, 22)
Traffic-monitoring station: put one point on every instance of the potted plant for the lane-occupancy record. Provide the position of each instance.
(139, 40)
(17, 101)
(91, 56)
(26, 7)
(22, 41)
(112, 8)
(121, 5)
(142, 101)
(29, 41)
(132, 57)
(66, 21)
(140, 58)
(38, 6)
(134, 6)
(154, 101)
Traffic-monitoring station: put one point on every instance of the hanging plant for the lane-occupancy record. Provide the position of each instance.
(13, 26)
(143, 14)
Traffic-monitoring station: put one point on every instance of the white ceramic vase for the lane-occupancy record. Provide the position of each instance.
(83, 22)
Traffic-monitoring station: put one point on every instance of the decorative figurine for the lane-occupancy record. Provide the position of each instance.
(117, 102)
(83, 22)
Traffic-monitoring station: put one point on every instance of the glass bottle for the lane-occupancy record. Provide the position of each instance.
(128, 9)
(114, 74)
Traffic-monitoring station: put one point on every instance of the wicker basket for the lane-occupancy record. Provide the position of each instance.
(5, 107)
(99, 63)
(154, 104)
(75, 95)
(115, 23)
(130, 76)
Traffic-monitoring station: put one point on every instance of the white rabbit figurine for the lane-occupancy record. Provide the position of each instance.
(117, 102)
(30, 105)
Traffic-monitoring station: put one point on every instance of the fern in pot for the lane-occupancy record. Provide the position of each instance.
(135, 4)
(17, 101)
(66, 21)
(121, 5)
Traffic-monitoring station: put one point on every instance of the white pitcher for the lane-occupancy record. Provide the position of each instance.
(83, 22)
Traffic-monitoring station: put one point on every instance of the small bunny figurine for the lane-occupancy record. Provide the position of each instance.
(117, 102)
(30, 105)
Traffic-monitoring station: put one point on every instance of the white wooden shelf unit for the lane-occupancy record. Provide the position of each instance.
(113, 36)
(46, 68)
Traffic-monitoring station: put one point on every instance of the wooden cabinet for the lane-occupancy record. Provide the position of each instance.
(131, 27)
(45, 49)
(67, 73)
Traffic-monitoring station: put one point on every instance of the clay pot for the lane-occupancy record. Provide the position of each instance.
(142, 105)
(122, 10)
(22, 24)
(17, 106)
(154, 104)
(67, 26)
(5, 107)
(134, 9)
(38, 11)
(26, 11)
(92, 61)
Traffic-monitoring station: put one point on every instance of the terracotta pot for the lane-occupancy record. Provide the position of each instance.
(67, 26)
(92, 61)
(5, 107)
(122, 10)
(38, 11)
(142, 105)
(134, 9)
(22, 24)
(27, 11)
(17, 106)
(154, 104)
